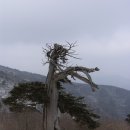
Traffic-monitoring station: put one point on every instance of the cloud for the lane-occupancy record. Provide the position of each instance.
(24, 57)
(33, 21)
(118, 44)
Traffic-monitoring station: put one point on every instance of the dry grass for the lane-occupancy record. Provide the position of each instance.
(68, 124)
(114, 125)
(20, 121)
(33, 121)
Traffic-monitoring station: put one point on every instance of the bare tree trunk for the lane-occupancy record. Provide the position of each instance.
(51, 112)
(52, 109)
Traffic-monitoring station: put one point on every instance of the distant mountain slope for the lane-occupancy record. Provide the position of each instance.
(19, 76)
(9, 77)
(108, 101)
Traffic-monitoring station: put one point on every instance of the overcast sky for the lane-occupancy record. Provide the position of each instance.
(100, 27)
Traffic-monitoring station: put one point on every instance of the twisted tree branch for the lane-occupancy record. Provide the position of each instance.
(73, 72)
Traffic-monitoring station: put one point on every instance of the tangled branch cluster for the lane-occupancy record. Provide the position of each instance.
(58, 53)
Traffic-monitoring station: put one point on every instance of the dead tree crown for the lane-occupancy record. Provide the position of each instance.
(58, 56)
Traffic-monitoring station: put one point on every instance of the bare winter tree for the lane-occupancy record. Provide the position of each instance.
(57, 56)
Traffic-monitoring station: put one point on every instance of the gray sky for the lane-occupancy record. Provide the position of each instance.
(101, 27)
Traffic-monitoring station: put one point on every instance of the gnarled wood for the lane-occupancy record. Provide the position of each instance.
(57, 57)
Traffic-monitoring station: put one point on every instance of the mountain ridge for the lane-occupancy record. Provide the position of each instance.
(108, 101)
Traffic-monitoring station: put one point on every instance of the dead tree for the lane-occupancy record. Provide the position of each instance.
(57, 56)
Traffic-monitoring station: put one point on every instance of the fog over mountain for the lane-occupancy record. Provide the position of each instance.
(108, 101)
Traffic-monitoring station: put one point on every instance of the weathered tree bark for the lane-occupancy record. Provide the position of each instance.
(51, 110)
